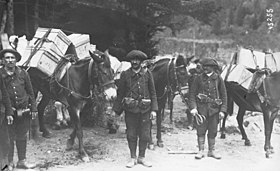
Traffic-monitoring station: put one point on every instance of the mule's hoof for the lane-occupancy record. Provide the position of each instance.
(223, 136)
(248, 143)
(267, 155)
(85, 159)
(151, 147)
(46, 134)
(160, 144)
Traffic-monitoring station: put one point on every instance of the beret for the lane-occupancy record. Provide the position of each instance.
(136, 54)
(208, 62)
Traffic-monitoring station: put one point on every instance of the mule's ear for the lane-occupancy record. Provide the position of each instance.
(96, 56)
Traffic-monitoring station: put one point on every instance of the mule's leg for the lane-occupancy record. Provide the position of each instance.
(171, 108)
(240, 116)
(79, 132)
(159, 121)
(223, 128)
(230, 104)
(269, 118)
(41, 109)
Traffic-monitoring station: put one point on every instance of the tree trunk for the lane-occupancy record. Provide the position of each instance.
(36, 14)
(26, 16)
(3, 21)
(10, 24)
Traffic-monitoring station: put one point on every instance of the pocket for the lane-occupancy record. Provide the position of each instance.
(145, 103)
(129, 103)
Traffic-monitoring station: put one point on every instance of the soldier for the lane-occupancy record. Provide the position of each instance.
(17, 82)
(137, 97)
(208, 97)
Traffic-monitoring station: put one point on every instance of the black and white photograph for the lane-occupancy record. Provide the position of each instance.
(159, 85)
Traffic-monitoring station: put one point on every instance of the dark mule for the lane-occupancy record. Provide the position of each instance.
(75, 90)
(261, 97)
(169, 75)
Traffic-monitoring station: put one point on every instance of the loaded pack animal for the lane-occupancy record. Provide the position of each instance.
(262, 96)
(170, 74)
(73, 84)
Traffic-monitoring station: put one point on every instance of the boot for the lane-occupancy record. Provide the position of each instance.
(211, 146)
(11, 152)
(21, 148)
(141, 160)
(131, 163)
(22, 164)
(200, 154)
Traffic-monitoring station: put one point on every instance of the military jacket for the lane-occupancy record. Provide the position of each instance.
(137, 86)
(213, 86)
(19, 89)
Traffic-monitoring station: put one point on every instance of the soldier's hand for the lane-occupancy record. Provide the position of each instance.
(221, 115)
(153, 115)
(10, 120)
(194, 112)
(34, 115)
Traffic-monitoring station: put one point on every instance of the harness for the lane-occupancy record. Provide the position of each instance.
(91, 83)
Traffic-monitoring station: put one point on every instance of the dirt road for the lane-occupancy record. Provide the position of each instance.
(110, 152)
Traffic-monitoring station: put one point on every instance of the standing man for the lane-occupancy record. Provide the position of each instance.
(137, 97)
(208, 97)
(21, 94)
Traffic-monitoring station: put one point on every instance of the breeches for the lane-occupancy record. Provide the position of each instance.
(19, 129)
(210, 124)
(138, 126)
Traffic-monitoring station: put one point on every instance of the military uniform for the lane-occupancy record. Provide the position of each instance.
(213, 87)
(138, 87)
(21, 94)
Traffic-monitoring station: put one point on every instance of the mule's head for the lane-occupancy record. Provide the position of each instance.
(104, 74)
(257, 80)
(181, 71)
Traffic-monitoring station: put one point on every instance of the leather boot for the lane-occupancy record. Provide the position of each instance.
(22, 164)
(200, 154)
(211, 146)
(141, 160)
(131, 163)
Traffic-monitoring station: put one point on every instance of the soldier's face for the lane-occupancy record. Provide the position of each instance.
(9, 60)
(135, 64)
(207, 69)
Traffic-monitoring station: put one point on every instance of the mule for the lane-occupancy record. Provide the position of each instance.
(262, 97)
(170, 74)
(74, 89)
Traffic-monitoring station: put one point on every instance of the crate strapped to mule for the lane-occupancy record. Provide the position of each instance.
(45, 50)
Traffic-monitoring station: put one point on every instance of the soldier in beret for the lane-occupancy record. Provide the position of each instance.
(136, 95)
(18, 84)
(208, 97)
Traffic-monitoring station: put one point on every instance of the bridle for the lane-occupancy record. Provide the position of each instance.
(91, 82)
(168, 87)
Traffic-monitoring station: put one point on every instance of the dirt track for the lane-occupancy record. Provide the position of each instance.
(110, 152)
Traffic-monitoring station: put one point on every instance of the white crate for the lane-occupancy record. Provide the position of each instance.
(57, 40)
(45, 60)
(239, 74)
(81, 43)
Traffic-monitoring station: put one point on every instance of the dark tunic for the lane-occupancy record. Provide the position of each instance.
(214, 88)
(137, 86)
(21, 95)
